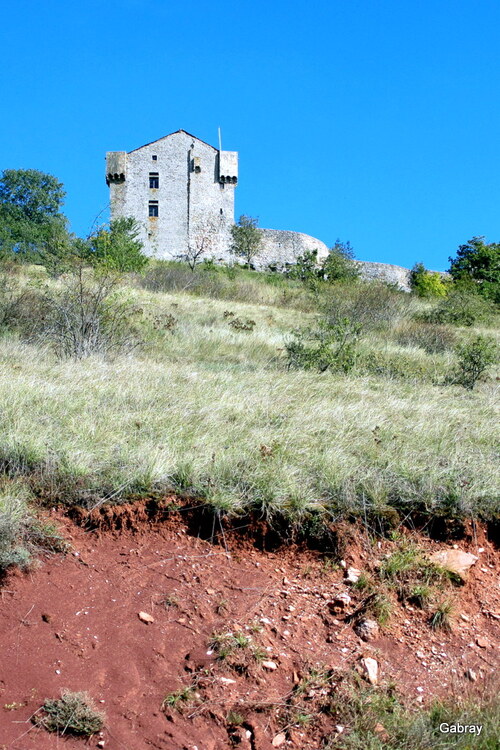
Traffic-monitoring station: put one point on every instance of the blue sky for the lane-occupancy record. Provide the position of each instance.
(375, 121)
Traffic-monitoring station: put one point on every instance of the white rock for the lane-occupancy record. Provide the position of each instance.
(369, 670)
(471, 675)
(367, 629)
(279, 739)
(271, 665)
(454, 560)
(227, 681)
(145, 617)
(352, 575)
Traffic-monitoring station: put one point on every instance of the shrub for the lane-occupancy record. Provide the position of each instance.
(330, 346)
(87, 317)
(372, 304)
(474, 358)
(117, 247)
(462, 306)
(431, 337)
(13, 520)
(72, 713)
(427, 283)
(339, 265)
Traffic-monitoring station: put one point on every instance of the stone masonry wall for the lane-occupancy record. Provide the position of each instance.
(191, 200)
(281, 248)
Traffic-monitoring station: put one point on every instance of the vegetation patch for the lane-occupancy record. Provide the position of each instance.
(72, 713)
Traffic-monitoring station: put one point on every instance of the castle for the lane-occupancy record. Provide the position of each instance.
(181, 192)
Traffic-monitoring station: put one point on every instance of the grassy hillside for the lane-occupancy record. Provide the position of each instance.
(205, 406)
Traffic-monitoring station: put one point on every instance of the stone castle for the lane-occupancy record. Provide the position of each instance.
(181, 192)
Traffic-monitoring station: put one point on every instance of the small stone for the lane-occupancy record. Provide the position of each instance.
(210, 592)
(339, 728)
(420, 655)
(464, 617)
(420, 690)
(343, 564)
(482, 642)
(471, 675)
(271, 665)
(352, 575)
(369, 670)
(279, 739)
(265, 621)
(145, 617)
(101, 743)
(368, 630)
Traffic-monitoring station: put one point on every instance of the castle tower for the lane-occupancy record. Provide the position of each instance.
(180, 190)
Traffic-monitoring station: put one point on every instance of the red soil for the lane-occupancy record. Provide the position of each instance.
(72, 622)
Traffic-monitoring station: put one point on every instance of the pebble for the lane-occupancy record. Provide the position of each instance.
(271, 665)
(145, 617)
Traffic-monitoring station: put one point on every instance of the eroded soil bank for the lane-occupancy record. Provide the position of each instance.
(73, 622)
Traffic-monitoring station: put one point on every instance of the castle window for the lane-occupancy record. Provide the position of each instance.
(153, 208)
(154, 157)
(154, 180)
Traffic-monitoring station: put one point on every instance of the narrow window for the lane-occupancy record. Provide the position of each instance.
(153, 208)
(154, 157)
(154, 180)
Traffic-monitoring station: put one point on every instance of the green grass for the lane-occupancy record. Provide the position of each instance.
(209, 410)
(363, 711)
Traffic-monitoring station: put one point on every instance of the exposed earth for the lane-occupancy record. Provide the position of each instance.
(129, 614)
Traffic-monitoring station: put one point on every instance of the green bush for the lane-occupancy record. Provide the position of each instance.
(427, 283)
(463, 306)
(479, 263)
(330, 346)
(117, 247)
(474, 359)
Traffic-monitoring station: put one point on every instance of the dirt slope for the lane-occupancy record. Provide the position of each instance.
(73, 622)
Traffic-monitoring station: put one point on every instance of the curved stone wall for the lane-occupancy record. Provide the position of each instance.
(281, 248)
(385, 272)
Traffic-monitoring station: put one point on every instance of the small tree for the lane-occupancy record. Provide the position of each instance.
(339, 265)
(32, 228)
(117, 247)
(426, 283)
(87, 316)
(246, 239)
(474, 358)
(202, 243)
(480, 262)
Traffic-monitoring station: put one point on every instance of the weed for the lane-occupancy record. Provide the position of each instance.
(175, 699)
(221, 607)
(235, 719)
(73, 713)
(442, 617)
(380, 607)
(406, 569)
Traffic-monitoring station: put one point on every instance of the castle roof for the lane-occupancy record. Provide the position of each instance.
(168, 136)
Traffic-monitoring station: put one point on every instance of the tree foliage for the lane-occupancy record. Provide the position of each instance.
(427, 283)
(32, 227)
(339, 265)
(117, 247)
(246, 238)
(479, 262)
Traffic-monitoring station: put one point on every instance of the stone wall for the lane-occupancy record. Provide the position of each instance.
(281, 248)
(192, 202)
(385, 272)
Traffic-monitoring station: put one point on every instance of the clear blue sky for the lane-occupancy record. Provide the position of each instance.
(376, 121)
